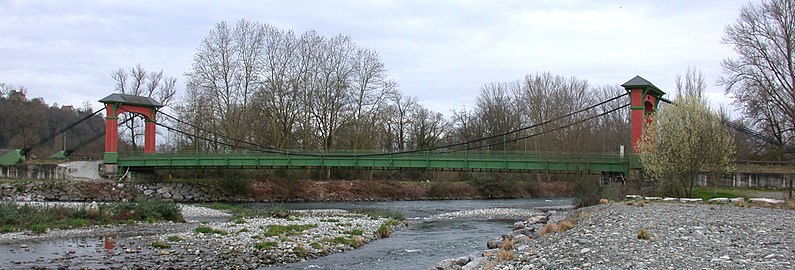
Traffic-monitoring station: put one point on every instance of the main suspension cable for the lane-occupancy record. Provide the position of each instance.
(547, 131)
(218, 135)
(62, 130)
(509, 132)
(467, 143)
(213, 141)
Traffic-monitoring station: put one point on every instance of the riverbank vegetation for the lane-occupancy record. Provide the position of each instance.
(38, 219)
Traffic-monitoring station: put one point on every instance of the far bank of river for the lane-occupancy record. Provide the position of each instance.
(438, 230)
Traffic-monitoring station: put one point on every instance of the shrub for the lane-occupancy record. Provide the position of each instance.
(640, 203)
(643, 234)
(566, 225)
(148, 210)
(505, 255)
(7, 229)
(742, 203)
(586, 191)
(235, 184)
(447, 189)
(506, 244)
(386, 228)
(559, 227)
(495, 185)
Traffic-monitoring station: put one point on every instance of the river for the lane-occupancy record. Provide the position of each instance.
(419, 246)
(425, 242)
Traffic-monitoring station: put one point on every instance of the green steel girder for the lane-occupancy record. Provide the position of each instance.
(432, 161)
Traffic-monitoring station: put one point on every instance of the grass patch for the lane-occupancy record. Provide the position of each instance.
(355, 232)
(222, 206)
(355, 241)
(37, 228)
(330, 220)
(316, 245)
(14, 217)
(709, 193)
(265, 245)
(174, 238)
(209, 230)
(300, 251)
(276, 230)
(160, 245)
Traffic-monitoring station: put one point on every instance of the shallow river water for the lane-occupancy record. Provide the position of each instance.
(419, 246)
(424, 242)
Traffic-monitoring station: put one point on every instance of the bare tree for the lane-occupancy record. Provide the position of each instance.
(551, 97)
(692, 85)
(466, 127)
(137, 81)
(227, 68)
(427, 129)
(402, 108)
(499, 111)
(278, 102)
(762, 79)
(330, 99)
(370, 89)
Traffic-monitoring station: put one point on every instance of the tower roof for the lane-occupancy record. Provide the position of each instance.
(132, 100)
(640, 82)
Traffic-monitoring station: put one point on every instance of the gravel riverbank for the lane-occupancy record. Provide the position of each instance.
(244, 243)
(680, 236)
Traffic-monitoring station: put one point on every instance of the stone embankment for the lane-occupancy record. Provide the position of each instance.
(105, 190)
(640, 234)
(244, 243)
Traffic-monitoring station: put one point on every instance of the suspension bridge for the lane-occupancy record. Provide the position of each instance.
(644, 98)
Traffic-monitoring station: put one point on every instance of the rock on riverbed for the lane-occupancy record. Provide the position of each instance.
(680, 236)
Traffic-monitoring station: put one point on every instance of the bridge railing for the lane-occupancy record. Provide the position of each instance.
(375, 154)
(470, 160)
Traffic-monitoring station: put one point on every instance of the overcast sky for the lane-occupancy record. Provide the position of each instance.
(439, 51)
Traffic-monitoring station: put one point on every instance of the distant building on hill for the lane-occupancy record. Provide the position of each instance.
(15, 95)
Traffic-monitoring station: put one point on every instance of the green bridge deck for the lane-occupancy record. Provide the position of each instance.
(571, 162)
